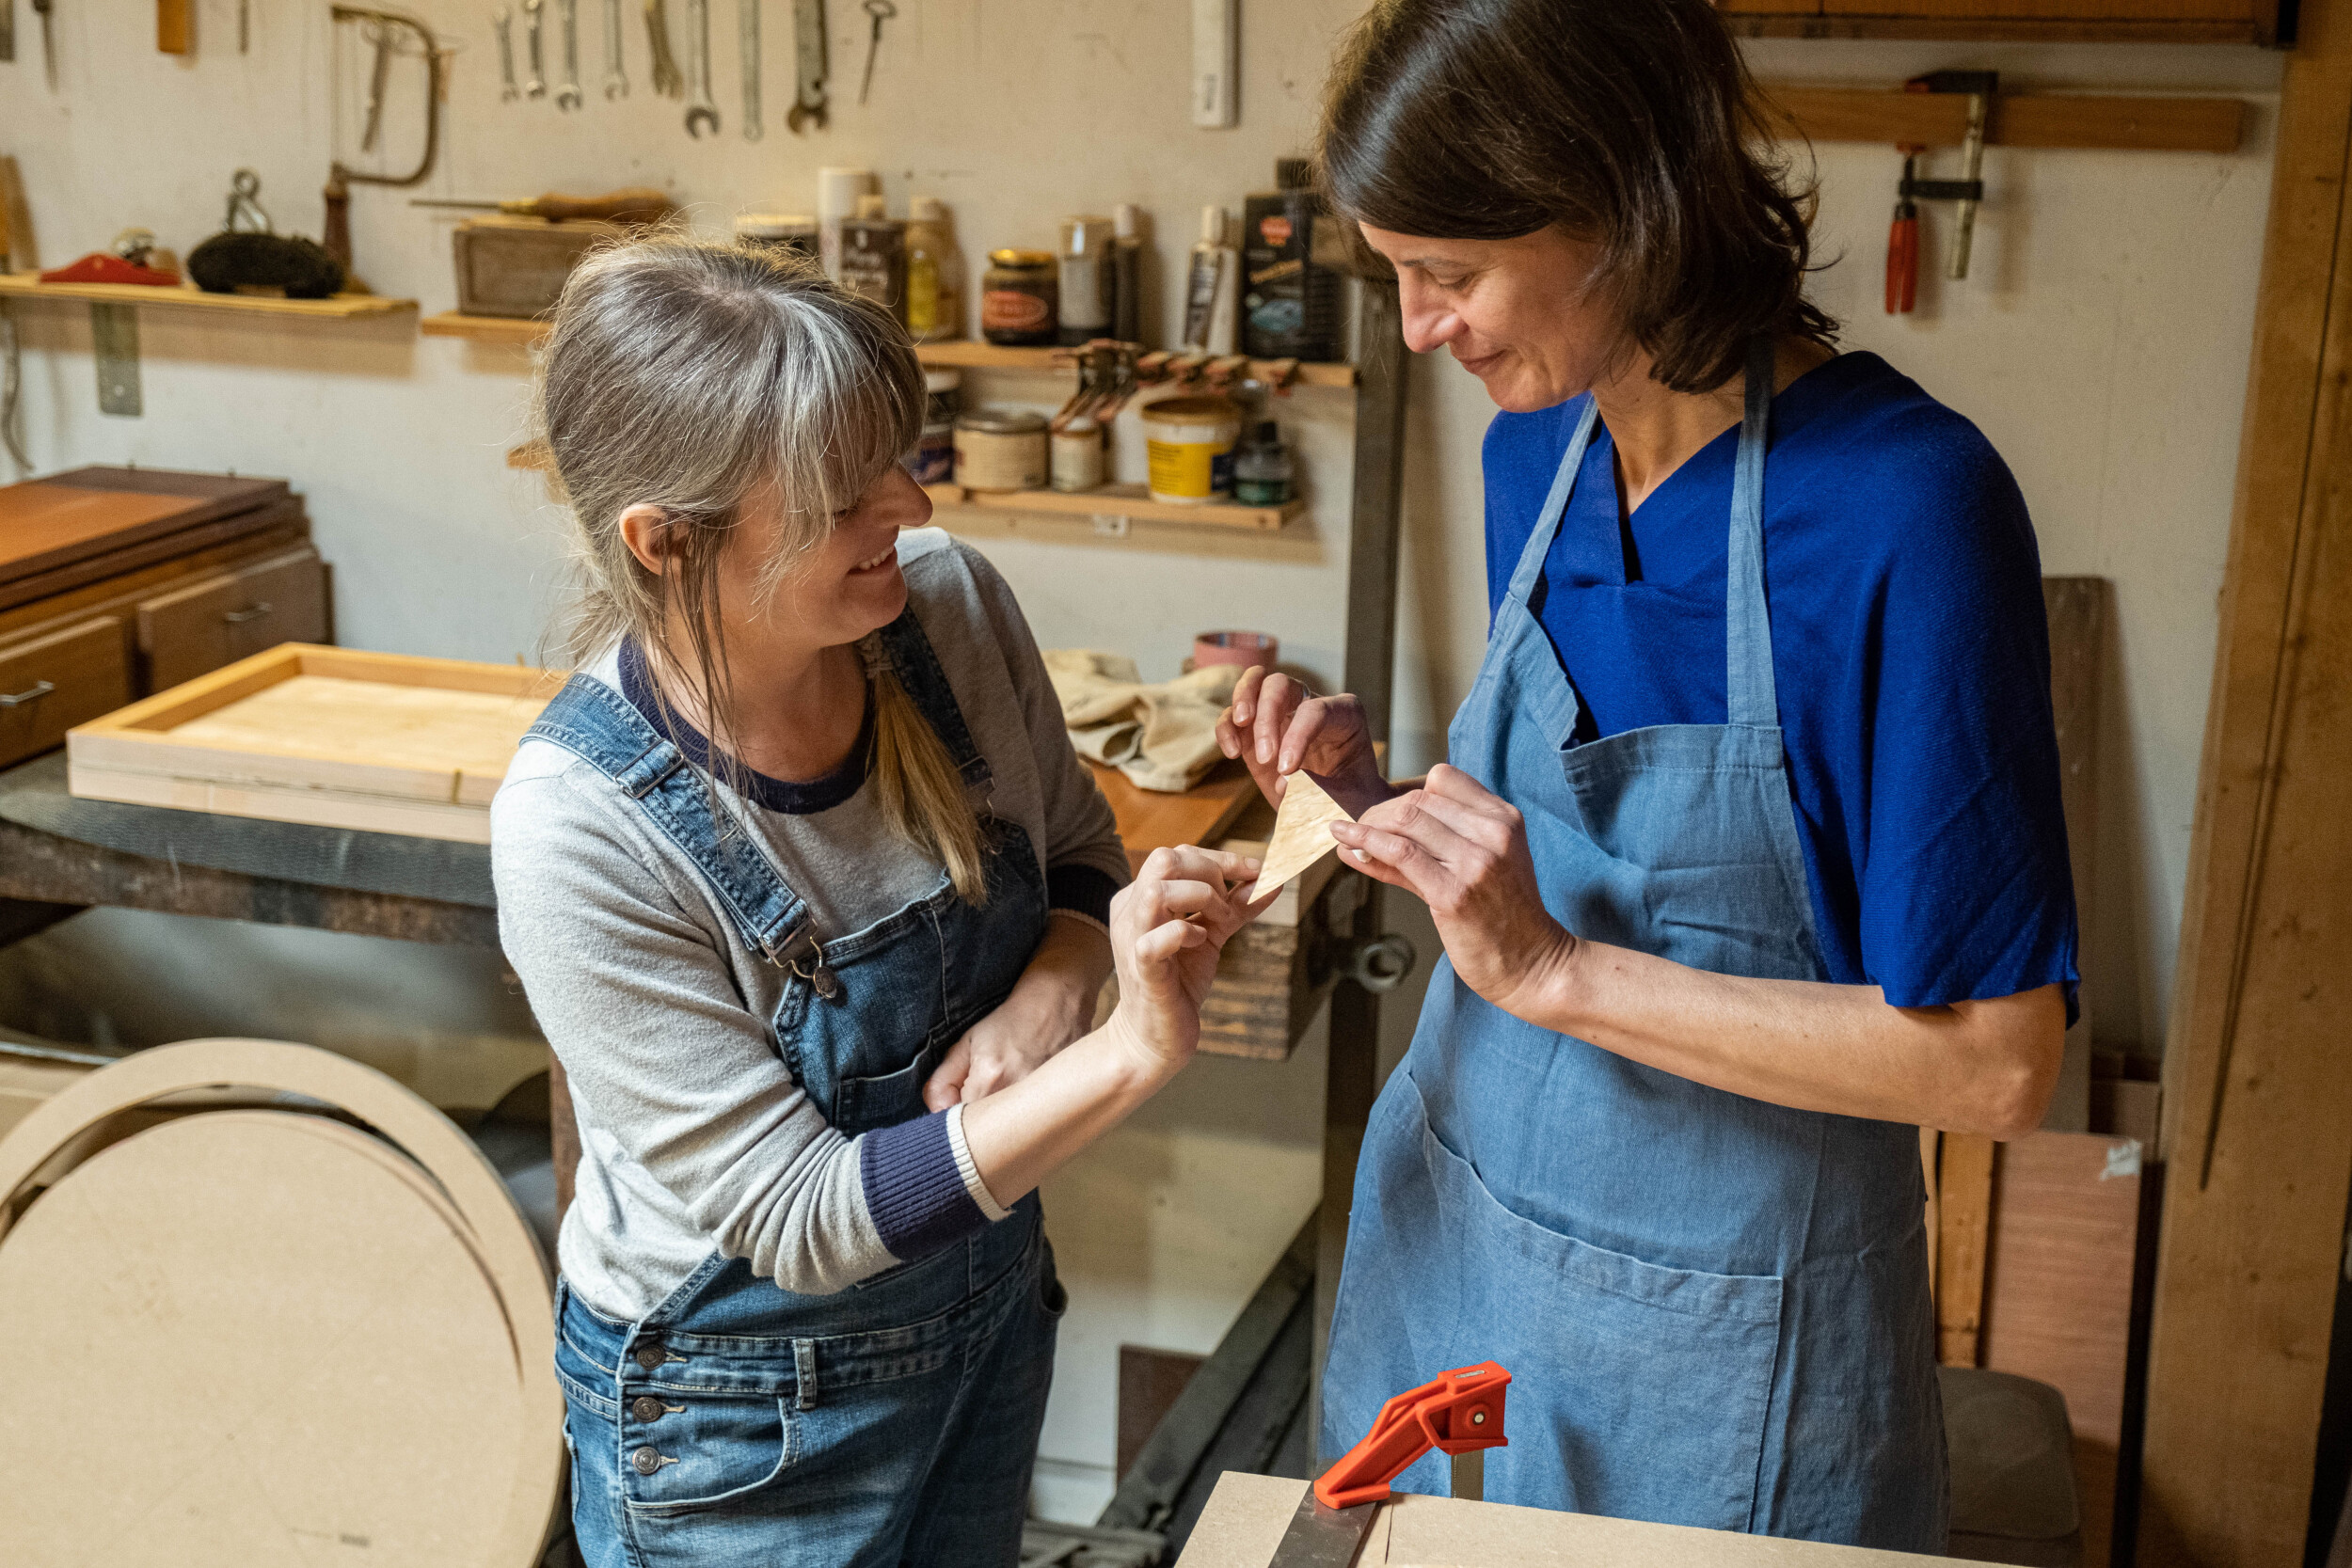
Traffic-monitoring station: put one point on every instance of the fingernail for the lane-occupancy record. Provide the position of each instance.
(1265, 752)
(1362, 859)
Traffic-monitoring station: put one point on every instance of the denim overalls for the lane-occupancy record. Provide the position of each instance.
(897, 1421)
(1714, 1310)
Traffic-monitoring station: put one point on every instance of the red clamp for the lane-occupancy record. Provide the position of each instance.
(1460, 1412)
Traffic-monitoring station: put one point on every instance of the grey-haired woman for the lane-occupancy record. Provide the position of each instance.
(813, 900)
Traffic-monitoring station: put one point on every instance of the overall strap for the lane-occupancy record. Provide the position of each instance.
(603, 729)
(907, 653)
(1531, 566)
(1748, 685)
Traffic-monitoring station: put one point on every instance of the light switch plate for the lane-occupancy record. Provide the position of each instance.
(1216, 63)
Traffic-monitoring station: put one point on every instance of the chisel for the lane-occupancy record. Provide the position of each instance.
(637, 205)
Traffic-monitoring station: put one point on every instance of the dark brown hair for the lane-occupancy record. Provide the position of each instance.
(1634, 124)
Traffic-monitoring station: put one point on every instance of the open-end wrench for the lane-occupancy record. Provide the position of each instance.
(808, 65)
(667, 80)
(616, 78)
(569, 96)
(504, 23)
(537, 85)
(747, 28)
(702, 109)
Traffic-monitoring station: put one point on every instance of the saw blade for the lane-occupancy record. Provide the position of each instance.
(1319, 1537)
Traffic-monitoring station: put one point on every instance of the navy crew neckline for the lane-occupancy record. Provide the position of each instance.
(803, 798)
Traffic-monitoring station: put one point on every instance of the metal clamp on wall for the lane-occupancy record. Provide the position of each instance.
(1380, 964)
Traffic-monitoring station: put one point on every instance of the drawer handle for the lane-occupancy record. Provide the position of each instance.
(32, 693)
(239, 617)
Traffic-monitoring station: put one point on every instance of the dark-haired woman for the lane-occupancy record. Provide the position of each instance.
(1748, 859)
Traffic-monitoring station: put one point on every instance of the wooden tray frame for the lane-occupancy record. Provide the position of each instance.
(130, 755)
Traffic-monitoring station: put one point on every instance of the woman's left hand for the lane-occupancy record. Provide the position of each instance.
(1462, 850)
(1051, 1005)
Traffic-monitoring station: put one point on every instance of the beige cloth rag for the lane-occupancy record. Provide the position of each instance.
(1163, 736)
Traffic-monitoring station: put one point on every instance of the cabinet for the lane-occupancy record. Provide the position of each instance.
(225, 616)
(2104, 21)
(51, 683)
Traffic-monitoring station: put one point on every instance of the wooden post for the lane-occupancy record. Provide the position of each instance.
(2258, 1079)
(1963, 1231)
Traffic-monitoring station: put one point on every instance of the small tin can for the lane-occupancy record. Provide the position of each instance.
(999, 449)
(1077, 455)
(1020, 298)
(787, 232)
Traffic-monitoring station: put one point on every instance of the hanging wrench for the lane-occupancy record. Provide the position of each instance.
(808, 64)
(537, 85)
(615, 79)
(702, 109)
(666, 79)
(504, 23)
(747, 24)
(568, 97)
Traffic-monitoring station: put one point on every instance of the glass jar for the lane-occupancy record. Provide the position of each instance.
(1077, 454)
(1020, 298)
(1000, 449)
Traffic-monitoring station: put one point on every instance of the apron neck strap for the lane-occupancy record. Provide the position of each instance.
(1748, 686)
(1530, 567)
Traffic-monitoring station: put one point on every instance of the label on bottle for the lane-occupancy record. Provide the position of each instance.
(1275, 228)
(1014, 310)
(1261, 492)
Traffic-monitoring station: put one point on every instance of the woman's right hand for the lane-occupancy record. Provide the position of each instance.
(1166, 929)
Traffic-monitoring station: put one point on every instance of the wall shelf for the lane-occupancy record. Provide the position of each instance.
(27, 285)
(962, 355)
(2017, 120)
(1114, 500)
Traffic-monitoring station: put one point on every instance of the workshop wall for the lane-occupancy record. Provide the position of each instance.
(2102, 344)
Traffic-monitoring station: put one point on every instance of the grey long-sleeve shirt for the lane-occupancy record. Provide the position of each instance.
(693, 1136)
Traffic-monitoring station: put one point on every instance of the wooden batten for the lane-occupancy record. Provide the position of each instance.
(2168, 124)
(2257, 1100)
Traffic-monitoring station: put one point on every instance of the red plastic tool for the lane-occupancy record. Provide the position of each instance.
(99, 267)
(1460, 1412)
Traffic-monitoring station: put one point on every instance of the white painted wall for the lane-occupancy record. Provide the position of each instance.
(2102, 344)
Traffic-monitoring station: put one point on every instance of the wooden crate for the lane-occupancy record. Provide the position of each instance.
(335, 738)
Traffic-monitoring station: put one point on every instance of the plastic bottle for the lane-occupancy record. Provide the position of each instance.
(1127, 274)
(1262, 468)
(837, 190)
(1291, 292)
(1212, 289)
(934, 273)
(1086, 280)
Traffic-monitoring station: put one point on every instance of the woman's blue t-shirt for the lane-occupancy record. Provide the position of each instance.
(1910, 644)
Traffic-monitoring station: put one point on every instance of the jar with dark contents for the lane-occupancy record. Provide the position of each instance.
(1021, 298)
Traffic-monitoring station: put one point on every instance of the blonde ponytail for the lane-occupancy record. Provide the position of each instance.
(919, 790)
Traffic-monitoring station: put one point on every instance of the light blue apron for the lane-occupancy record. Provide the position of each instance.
(1715, 1310)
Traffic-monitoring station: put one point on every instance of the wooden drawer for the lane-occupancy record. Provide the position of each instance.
(51, 683)
(221, 619)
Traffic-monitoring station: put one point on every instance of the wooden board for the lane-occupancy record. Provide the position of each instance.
(1150, 820)
(2077, 612)
(2257, 1100)
(28, 285)
(1964, 1221)
(379, 742)
(47, 524)
(2018, 120)
(378, 1279)
(1117, 501)
(2057, 1295)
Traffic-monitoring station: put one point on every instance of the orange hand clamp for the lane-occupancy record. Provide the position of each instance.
(1460, 1412)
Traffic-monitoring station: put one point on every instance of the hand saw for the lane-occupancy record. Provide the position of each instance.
(1460, 1413)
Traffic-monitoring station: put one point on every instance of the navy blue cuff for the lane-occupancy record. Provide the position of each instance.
(1081, 889)
(913, 1188)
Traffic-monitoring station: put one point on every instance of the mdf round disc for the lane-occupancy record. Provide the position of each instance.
(255, 1339)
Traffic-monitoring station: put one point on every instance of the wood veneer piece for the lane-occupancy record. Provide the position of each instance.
(273, 1335)
(1302, 831)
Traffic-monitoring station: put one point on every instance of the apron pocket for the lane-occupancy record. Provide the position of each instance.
(713, 1450)
(1637, 1391)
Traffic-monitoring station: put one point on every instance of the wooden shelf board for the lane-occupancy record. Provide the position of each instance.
(1115, 501)
(1811, 23)
(521, 330)
(26, 285)
(2022, 120)
(961, 355)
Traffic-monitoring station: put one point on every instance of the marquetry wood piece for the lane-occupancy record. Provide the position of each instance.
(1302, 831)
(2257, 1104)
(2018, 120)
(1964, 1223)
(379, 743)
(278, 1310)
